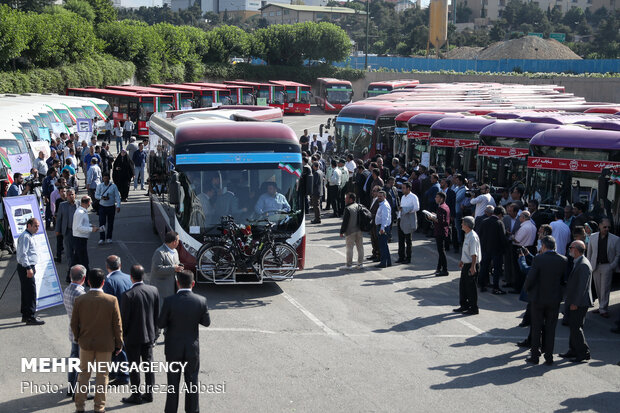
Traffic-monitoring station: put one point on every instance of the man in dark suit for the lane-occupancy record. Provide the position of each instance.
(544, 287)
(512, 225)
(64, 226)
(493, 241)
(578, 299)
(96, 326)
(139, 311)
(180, 315)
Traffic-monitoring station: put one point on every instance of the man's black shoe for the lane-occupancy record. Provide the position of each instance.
(147, 398)
(581, 359)
(34, 321)
(497, 291)
(567, 355)
(381, 266)
(407, 261)
(615, 330)
(118, 382)
(376, 259)
(442, 274)
(314, 221)
(460, 310)
(471, 311)
(133, 399)
(532, 360)
(548, 360)
(399, 261)
(483, 289)
(507, 285)
(525, 343)
(372, 257)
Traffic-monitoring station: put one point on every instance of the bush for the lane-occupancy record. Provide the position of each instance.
(94, 71)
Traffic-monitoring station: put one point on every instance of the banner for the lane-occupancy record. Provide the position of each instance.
(503, 152)
(19, 210)
(414, 134)
(39, 146)
(577, 165)
(44, 133)
(261, 101)
(453, 143)
(21, 163)
(58, 128)
(84, 129)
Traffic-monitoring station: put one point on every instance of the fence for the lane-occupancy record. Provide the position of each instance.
(494, 66)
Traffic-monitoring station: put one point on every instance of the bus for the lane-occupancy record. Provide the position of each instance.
(333, 94)
(235, 162)
(419, 132)
(183, 99)
(273, 95)
(454, 143)
(127, 104)
(296, 96)
(401, 129)
(611, 122)
(380, 88)
(569, 165)
(239, 95)
(503, 151)
(204, 97)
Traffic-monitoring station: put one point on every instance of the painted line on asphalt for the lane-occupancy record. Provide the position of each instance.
(308, 314)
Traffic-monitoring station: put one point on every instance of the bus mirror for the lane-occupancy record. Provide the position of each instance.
(174, 189)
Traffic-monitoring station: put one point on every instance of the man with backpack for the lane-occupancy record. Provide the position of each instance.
(351, 228)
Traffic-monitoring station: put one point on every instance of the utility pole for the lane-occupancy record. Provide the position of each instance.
(367, 26)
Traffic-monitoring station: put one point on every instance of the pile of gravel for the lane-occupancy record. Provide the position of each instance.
(465, 52)
(528, 47)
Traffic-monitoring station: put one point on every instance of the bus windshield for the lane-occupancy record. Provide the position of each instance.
(291, 96)
(81, 113)
(10, 146)
(340, 96)
(186, 103)
(146, 110)
(206, 101)
(247, 194)
(21, 142)
(354, 138)
(64, 115)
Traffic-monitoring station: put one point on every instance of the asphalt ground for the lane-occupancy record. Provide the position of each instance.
(332, 340)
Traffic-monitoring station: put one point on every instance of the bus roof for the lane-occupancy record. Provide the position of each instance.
(578, 138)
(405, 116)
(427, 119)
(395, 83)
(329, 80)
(464, 124)
(191, 88)
(115, 92)
(604, 109)
(515, 129)
(560, 118)
(148, 89)
(244, 83)
(602, 123)
(287, 83)
(235, 132)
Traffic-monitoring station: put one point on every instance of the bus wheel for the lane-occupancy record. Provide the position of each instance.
(279, 262)
(216, 263)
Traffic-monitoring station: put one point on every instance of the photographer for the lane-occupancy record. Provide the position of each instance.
(481, 201)
(109, 204)
(17, 188)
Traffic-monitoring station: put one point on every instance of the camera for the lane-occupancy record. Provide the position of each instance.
(105, 198)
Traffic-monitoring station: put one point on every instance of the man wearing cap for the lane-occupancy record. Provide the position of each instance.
(469, 265)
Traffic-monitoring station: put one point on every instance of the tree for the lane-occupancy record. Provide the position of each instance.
(226, 42)
(81, 8)
(28, 5)
(463, 13)
(497, 33)
(104, 11)
(14, 33)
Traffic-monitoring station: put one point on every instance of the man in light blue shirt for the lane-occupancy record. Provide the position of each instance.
(26, 261)
(383, 221)
(271, 201)
(109, 204)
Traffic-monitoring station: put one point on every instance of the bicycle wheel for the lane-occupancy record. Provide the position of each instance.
(216, 263)
(279, 262)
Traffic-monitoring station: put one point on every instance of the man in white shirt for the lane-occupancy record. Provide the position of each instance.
(383, 222)
(40, 164)
(127, 130)
(407, 222)
(333, 187)
(118, 133)
(350, 165)
(109, 127)
(561, 232)
(471, 255)
(482, 200)
(81, 231)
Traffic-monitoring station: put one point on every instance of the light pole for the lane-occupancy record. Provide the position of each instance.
(367, 26)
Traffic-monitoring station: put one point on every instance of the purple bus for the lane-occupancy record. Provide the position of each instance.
(606, 122)
(563, 118)
(419, 133)
(503, 150)
(569, 165)
(454, 143)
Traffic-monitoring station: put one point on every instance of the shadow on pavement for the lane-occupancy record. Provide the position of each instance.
(39, 402)
(238, 296)
(601, 402)
(419, 322)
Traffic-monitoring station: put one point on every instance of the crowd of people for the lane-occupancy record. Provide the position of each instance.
(500, 237)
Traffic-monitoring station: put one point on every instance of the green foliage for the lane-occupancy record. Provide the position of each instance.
(104, 11)
(14, 35)
(226, 42)
(28, 5)
(81, 8)
(97, 70)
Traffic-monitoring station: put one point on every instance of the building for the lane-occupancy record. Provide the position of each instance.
(277, 13)
(134, 4)
(493, 9)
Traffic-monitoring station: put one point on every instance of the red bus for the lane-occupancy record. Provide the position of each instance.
(182, 99)
(296, 96)
(273, 95)
(252, 169)
(333, 94)
(128, 104)
(239, 95)
(380, 88)
(204, 97)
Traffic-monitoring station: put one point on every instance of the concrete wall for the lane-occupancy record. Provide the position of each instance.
(592, 89)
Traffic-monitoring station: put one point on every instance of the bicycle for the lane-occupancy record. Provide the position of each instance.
(240, 251)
